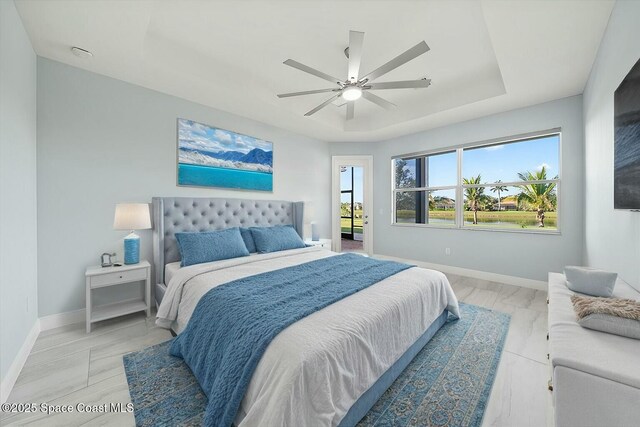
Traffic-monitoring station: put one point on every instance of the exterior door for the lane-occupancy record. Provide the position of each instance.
(352, 224)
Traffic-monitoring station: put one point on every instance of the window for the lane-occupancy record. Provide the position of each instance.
(508, 185)
(425, 189)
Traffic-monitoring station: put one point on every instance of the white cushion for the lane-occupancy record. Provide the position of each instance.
(598, 353)
(590, 281)
(610, 324)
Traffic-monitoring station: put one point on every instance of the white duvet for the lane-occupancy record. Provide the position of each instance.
(314, 370)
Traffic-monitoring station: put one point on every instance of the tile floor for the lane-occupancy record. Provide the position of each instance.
(67, 366)
(348, 245)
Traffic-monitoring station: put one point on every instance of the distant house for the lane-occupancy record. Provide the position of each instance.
(509, 203)
(444, 204)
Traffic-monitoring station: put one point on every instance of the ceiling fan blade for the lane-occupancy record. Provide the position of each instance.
(340, 102)
(351, 105)
(307, 92)
(403, 58)
(379, 101)
(306, 69)
(356, 39)
(406, 84)
(324, 104)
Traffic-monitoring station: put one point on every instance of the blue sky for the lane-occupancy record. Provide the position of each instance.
(493, 163)
(197, 136)
(503, 162)
(345, 183)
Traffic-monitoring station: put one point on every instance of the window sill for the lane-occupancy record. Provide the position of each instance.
(494, 230)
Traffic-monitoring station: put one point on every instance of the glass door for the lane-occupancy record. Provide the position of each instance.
(351, 208)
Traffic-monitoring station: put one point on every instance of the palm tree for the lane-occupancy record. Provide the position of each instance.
(499, 189)
(345, 209)
(474, 196)
(540, 196)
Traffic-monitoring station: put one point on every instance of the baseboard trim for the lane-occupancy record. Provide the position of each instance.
(18, 362)
(62, 319)
(476, 274)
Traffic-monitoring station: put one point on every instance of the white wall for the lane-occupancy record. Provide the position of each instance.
(18, 253)
(103, 141)
(612, 238)
(524, 255)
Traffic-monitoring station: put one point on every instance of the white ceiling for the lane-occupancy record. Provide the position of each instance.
(486, 56)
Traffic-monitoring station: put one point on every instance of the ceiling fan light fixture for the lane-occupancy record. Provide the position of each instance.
(352, 93)
(357, 86)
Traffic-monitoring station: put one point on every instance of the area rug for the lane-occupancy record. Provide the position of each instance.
(447, 384)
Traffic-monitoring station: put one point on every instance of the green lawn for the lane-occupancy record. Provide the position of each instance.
(345, 223)
(497, 219)
(492, 219)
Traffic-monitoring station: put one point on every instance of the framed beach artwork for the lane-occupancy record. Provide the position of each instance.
(212, 157)
(626, 179)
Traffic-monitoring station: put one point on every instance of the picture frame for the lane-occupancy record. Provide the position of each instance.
(208, 156)
(626, 182)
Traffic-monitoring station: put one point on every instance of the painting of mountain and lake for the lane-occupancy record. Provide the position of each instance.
(212, 157)
(626, 193)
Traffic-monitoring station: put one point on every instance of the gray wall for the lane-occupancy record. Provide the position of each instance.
(612, 237)
(524, 255)
(18, 253)
(103, 141)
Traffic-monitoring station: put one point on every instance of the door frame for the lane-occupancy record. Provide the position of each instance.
(366, 162)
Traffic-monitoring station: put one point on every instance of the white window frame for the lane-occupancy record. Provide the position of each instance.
(460, 187)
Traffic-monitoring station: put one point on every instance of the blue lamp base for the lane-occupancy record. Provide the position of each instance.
(132, 249)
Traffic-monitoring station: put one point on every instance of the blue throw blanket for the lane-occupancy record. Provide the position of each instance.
(234, 323)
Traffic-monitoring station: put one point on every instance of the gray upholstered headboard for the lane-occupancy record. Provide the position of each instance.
(175, 214)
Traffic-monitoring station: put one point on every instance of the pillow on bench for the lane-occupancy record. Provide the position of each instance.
(590, 281)
(616, 316)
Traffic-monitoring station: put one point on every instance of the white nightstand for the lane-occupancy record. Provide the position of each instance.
(100, 277)
(325, 243)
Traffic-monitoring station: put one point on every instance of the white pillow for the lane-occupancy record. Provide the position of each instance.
(590, 281)
(612, 325)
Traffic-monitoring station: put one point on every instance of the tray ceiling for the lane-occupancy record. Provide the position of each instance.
(485, 57)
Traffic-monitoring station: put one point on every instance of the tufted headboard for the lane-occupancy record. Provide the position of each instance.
(175, 214)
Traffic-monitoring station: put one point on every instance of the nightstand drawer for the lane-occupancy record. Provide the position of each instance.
(118, 277)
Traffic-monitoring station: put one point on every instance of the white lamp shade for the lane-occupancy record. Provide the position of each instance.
(132, 216)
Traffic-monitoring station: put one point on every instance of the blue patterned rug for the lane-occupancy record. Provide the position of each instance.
(447, 384)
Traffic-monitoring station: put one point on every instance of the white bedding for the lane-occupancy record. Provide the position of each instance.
(314, 370)
(169, 270)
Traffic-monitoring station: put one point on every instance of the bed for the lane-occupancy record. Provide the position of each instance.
(329, 367)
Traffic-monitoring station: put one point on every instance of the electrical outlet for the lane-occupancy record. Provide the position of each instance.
(447, 251)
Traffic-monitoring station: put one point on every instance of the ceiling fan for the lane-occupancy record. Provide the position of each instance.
(355, 86)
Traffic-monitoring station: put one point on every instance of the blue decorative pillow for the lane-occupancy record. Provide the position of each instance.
(207, 246)
(278, 238)
(248, 240)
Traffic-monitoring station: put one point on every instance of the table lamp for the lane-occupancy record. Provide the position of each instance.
(132, 216)
(309, 214)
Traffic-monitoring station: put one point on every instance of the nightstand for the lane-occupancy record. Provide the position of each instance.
(101, 277)
(325, 243)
